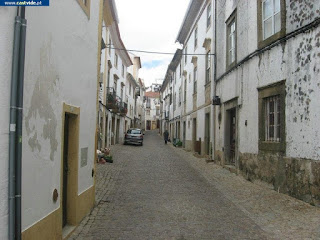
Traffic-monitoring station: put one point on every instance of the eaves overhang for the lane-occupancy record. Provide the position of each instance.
(189, 18)
(175, 60)
(131, 78)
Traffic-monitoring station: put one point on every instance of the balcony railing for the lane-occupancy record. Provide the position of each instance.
(123, 109)
(111, 98)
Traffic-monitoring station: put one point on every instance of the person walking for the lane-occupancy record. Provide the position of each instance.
(166, 136)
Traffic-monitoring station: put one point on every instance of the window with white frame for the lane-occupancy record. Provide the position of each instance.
(231, 54)
(209, 15)
(208, 66)
(272, 119)
(122, 70)
(180, 69)
(271, 17)
(195, 80)
(195, 37)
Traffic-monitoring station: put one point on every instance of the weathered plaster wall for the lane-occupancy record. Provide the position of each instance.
(296, 172)
(301, 13)
(7, 16)
(61, 66)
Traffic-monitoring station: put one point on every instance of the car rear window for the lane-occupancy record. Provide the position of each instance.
(134, 131)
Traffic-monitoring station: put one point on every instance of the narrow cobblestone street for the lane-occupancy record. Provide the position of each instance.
(160, 192)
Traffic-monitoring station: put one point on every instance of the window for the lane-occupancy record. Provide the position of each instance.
(148, 112)
(185, 56)
(195, 80)
(271, 21)
(272, 117)
(116, 60)
(209, 15)
(130, 89)
(122, 71)
(180, 67)
(179, 96)
(157, 111)
(85, 5)
(208, 66)
(115, 85)
(231, 41)
(122, 93)
(271, 17)
(195, 37)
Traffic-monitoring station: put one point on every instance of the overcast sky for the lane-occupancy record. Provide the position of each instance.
(151, 25)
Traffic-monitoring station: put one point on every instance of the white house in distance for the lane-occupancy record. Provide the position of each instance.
(62, 59)
(152, 110)
(189, 82)
(120, 87)
(116, 100)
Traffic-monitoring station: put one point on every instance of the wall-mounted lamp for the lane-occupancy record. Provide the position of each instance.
(216, 100)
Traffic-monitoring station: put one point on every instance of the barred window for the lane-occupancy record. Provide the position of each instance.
(272, 119)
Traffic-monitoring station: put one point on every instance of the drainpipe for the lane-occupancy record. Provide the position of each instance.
(15, 127)
(12, 127)
(19, 122)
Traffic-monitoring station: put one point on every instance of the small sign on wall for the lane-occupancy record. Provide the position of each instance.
(84, 157)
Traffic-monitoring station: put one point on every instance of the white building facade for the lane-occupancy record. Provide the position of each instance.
(59, 123)
(187, 99)
(259, 107)
(268, 83)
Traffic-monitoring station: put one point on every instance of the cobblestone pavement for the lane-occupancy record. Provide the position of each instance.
(160, 192)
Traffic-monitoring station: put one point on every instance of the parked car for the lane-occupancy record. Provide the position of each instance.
(134, 135)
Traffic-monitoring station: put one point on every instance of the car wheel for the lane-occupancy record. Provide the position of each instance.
(125, 143)
(141, 144)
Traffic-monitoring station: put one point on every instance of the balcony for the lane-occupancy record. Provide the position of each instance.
(111, 98)
(123, 109)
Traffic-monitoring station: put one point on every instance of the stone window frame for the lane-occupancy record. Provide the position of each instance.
(275, 89)
(265, 42)
(85, 5)
(230, 20)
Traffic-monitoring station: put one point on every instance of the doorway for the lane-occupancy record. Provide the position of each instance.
(194, 134)
(69, 164)
(65, 169)
(184, 134)
(231, 136)
(207, 134)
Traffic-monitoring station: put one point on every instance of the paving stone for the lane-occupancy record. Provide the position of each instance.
(160, 192)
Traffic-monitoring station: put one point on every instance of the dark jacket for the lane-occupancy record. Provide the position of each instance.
(166, 135)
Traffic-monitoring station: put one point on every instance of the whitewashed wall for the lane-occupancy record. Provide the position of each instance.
(7, 16)
(203, 33)
(296, 61)
(61, 66)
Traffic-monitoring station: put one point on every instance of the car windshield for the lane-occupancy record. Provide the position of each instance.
(134, 131)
